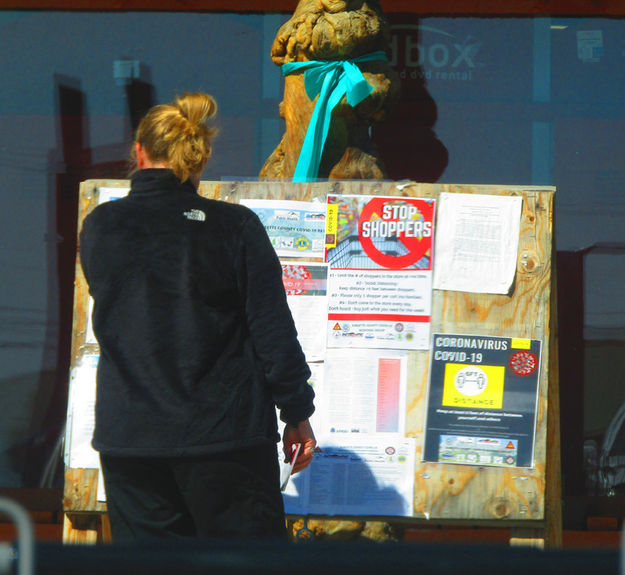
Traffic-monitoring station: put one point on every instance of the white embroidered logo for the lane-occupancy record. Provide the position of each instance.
(196, 215)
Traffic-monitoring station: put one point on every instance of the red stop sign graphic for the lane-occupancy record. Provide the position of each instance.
(416, 246)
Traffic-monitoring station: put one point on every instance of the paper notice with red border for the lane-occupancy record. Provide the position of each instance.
(379, 250)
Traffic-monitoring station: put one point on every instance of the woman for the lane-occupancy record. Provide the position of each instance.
(197, 347)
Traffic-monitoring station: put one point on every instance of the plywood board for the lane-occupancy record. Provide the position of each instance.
(456, 493)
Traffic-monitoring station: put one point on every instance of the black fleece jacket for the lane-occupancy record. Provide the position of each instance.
(197, 344)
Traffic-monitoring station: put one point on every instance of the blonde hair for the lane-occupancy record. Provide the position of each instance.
(177, 135)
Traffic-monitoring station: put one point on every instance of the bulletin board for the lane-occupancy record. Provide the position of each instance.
(525, 498)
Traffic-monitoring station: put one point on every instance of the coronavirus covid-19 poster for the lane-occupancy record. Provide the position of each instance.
(481, 406)
(379, 252)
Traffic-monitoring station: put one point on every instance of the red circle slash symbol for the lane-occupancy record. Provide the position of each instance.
(417, 245)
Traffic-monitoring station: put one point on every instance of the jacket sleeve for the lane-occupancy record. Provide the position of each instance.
(271, 325)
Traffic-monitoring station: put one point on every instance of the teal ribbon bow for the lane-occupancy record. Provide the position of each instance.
(331, 79)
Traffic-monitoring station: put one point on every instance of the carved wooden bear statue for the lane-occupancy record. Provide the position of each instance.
(334, 31)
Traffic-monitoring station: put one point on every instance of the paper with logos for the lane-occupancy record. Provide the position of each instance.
(356, 475)
(477, 240)
(482, 400)
(81, 415)
(305, 284)
(296, 229)
(379, 250)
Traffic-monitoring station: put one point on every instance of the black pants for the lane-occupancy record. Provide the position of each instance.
(226, 495)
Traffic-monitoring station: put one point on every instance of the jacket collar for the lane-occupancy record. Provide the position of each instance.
(158, 180)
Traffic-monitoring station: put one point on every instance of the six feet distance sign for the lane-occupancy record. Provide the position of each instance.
(396, 233)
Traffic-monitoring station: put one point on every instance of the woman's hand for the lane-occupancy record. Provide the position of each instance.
(304, 435)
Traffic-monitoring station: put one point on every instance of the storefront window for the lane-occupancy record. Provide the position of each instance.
(527, 101)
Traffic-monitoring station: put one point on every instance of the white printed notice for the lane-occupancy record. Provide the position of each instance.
(106, 194)
(364, 392)
(317, 382)
(81, 415)
(379, 250)
(89, 335)
(101, 491)
(296, 229)
(305, 284)
(361, 475)
(477, 240)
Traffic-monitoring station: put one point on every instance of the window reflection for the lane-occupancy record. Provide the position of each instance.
(485, 100)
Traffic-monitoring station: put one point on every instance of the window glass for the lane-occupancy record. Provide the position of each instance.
(485, 100)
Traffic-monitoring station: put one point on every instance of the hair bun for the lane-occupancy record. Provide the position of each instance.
(196, 107)
(177, 134)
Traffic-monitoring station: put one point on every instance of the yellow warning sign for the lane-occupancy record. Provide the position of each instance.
(337, 327)
(479, 387)
(520, 343)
